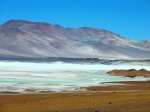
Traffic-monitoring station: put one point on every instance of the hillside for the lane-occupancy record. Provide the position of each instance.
(19, 38)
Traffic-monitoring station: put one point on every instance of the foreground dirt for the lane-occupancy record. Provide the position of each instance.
(108, 101)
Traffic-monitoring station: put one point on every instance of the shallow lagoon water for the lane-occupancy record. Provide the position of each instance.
(57, 76)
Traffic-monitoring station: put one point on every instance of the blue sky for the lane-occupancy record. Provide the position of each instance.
(128, 18)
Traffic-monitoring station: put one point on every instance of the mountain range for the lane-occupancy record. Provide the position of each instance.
(20, 38)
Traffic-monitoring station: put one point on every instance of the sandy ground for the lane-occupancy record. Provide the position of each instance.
(134, 97)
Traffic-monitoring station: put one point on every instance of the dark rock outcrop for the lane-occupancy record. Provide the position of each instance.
(130, 73)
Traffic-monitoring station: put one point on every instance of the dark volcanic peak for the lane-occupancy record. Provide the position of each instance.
(38, 39)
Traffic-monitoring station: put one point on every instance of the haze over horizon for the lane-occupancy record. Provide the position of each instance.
(128, 18)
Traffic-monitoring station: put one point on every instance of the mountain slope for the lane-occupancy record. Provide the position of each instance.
(36, 39)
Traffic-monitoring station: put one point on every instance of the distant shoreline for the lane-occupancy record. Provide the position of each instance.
(105, 61)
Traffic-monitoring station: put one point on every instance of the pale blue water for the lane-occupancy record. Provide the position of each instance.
(18, 76)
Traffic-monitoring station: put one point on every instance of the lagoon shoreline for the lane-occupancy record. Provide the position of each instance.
(102, 93)
(128, 97)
